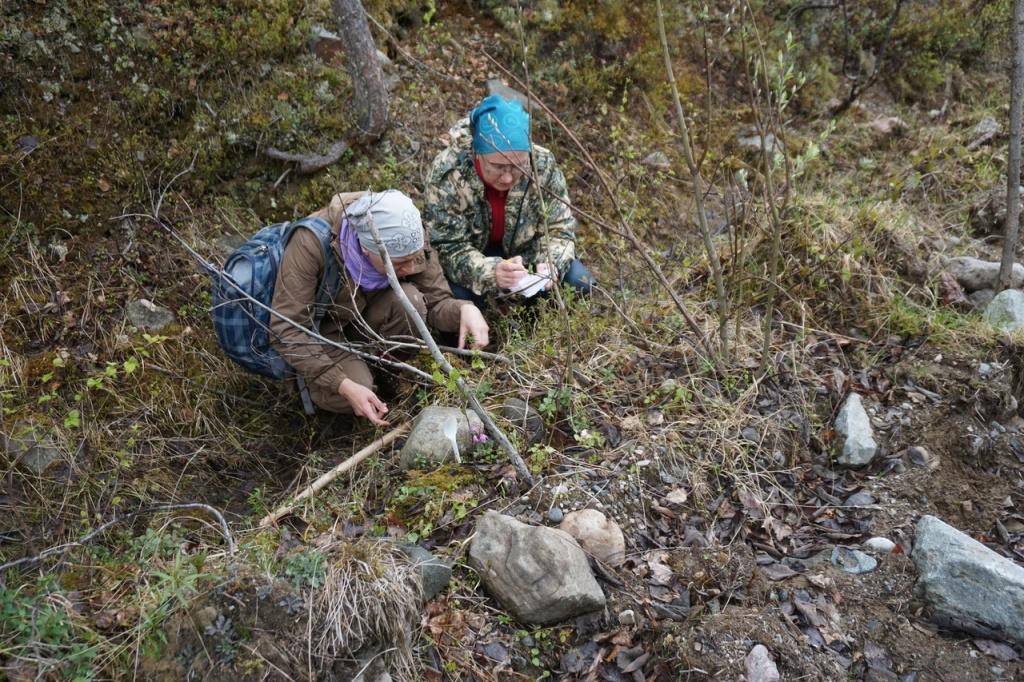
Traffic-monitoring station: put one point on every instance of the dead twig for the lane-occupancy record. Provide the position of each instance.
(60, 549)
(322, 482)
(310, 162)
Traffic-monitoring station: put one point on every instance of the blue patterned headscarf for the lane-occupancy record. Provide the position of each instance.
(500, 125)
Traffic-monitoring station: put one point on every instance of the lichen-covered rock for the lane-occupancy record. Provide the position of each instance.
(148, 316)
(428, 444)
(964, 579)
(598, 535)
(1006, 311)
(539, 574)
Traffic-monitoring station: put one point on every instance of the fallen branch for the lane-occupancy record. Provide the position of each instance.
(435, 352)
(309, 162)
(320, 483)
(60, 549)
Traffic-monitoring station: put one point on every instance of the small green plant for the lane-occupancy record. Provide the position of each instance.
(306, 569)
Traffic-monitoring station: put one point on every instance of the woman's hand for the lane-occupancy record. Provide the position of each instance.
(364, 402)
(545, 270)
(472, 323)
(508, 272)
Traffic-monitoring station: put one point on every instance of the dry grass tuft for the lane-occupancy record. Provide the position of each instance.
(371, 595)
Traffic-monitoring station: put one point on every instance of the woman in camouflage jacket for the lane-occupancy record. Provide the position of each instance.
(497, 205)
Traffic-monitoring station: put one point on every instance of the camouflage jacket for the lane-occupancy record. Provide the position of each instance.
(541, 229)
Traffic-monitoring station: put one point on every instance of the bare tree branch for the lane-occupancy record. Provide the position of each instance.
(1012, 226)
(310, 162)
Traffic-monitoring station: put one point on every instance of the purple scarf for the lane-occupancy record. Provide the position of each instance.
(359, 267)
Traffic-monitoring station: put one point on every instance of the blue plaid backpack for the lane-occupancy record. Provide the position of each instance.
(244, 289)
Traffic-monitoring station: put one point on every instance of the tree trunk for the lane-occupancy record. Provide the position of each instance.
(1013, 163)
(369, 96)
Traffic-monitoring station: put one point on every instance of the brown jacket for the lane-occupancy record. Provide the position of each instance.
(302, 265)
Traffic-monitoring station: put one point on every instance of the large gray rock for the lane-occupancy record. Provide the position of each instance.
(434, 573)
(539, 574)
(1006, 311)
(974, 274)
(859, 446)
(429, 445)
(965, 580)
(30, 449)
(148, 316)
(598, 535)
(526, 419)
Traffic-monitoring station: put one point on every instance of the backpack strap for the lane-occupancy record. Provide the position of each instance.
(330, 283)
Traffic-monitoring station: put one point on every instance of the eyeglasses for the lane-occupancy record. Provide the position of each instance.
(501, 169)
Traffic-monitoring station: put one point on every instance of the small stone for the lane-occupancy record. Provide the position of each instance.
(627, 618)
(984, 369)
(853, 560)
(756, 142)
(30, 449)
(861, 499)
(27, 143)
(434, 573)
(888, 125)
(921, 457)
(555, 515)
(880, 544)
(760, 666)
(859, 446)
(526, 419)
(986, 127)
(657, 160)
(677, 496)
(750, 435)
(227, 244)
(597, 534)
(498, 87)
(148, 316)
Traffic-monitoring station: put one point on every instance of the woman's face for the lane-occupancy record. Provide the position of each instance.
(502, 170)
(404, 266)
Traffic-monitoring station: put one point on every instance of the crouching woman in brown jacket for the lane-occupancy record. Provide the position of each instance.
(339, 381)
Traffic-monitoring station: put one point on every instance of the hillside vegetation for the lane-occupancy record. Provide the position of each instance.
(840, 167)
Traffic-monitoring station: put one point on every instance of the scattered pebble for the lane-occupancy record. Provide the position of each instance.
(880, 544)
(627, 618)
(555, 515)
(853, 560)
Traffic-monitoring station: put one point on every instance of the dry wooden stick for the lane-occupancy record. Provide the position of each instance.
(421, 327)
(322, 482)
